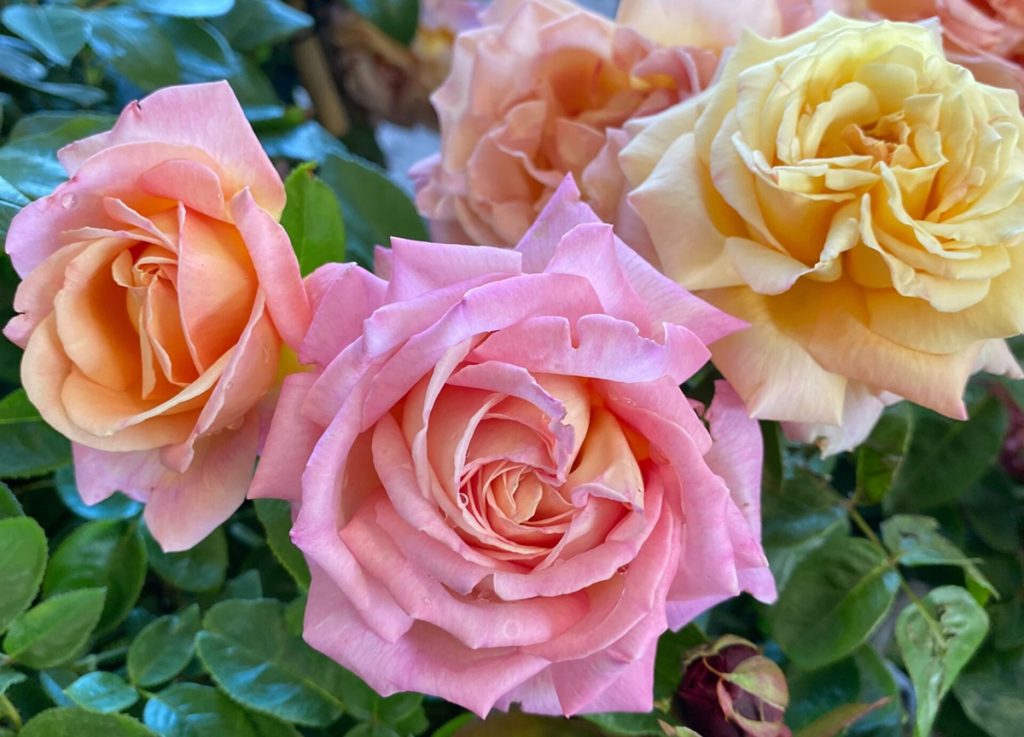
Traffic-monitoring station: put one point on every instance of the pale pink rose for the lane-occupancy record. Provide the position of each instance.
(158, 287)
(531, 97)
(502, 493)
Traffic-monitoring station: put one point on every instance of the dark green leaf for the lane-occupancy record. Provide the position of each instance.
(840, 719)
(71, 722)
(803, 516)
(17, 65)
(185, 8)
(276, 518)
(198, 569)
(313, 221)
(102, 554)
(397, 18)
(989, 690)
(53, 632)
(202, 52)
(245, 586)
(880, 457)
(248, 650)
(134, 45)
(31, 449)
(625, 723)
(102, 691)
(29, 159)
(946, 457)
(835, 598)
(937, 646)
(191, 710)
(258, 22)
(668, 663)
(309, 141)
(916, 541)
(115, 507)
(15, 408)
(373, 206)
(8, 678)
(11, 201)
(993, 513)
(58, 31)
(22, 562)
(774, 470)
(9, 505)
(163, 649)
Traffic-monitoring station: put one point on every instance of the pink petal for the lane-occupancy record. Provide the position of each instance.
(289, 444)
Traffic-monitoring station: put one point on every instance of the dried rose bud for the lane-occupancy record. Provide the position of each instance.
(730, 689)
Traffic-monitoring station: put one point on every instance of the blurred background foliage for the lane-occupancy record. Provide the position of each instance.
(900, 566)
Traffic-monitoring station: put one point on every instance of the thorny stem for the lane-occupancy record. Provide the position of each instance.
(864, 527)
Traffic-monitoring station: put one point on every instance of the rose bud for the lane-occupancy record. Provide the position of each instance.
(730, 689)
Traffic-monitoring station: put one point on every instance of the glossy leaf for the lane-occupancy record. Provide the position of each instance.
(839, 720)
(31, 448)
(835, 598)
(101, 554)
(102, 691)
(248, 650)
(254, 23)
(397, 18)
(936, 646)
(15, 408)
(190, 710)
(115, 507)
(989, 690)
(8, 678)
(163, 648)
(58, 31)
(71, 722)
(200, 568)
(276, 517)
(9, 504)
(185, 8)
(881, 456)
(133, 45)
(54, 631)
(22, 562)
(313, 221)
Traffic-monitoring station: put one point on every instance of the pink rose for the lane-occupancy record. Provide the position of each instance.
(533, 95)
(502, 493)
(157, 290)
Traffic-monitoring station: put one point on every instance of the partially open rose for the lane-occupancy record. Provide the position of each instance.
(502, 493)
(157, 290)
(858, 199)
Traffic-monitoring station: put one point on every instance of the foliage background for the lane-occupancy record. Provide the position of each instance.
(900, 566)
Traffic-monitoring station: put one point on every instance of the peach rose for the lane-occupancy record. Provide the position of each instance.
(532, 96)
(502, 492)
(859, 200)
(157, 290)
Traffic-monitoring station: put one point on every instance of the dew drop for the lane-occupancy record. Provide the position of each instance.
(426, 601)
(68, 201)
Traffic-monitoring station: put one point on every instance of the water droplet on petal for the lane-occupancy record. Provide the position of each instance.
(68, 201)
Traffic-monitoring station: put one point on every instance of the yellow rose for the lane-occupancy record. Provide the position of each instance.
(860, 201)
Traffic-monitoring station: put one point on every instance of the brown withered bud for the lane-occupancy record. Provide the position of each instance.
(729, 689)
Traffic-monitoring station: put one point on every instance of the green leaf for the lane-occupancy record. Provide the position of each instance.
(804, 515)
(881, 456)
(935, 648)
(946, 457)
(22, 561)
(247, 585)
(71, 722)
(115, 507)
(313, 221)
(200, 568)
(8, 678)
(53, 632)
(58, 31)
(373, 206)
(102, 691)
(135, 46)
(309, 141)
(835, 598)
(774, 469)
(625, 723)
(256, 23)
(9, 505)
(989, 690)
(397, 18)
(185, 8)
(29, 159)
(191, 710)
(163, 648)
(11, 202)
(247, 648)
(16, 62)
(840, 719)
(15, 408)
(993, 513)
(668, 662)
(102, 554)
(32, 449)
(916, 541)
(276, 517)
